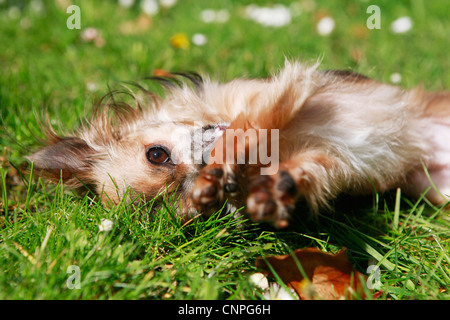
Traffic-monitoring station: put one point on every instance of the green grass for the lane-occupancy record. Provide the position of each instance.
(45, 229)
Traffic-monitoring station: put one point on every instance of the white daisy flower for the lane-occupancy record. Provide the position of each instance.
(208, 15)
(37, 6)
(14, 13)
(222, 15)
(91, 86)
(167, 3)
(277, 292)
(150, 7)
(199, 39)
(396, 78)
(276, 16)
(219, 16)
(325, 26)
(126, 3)
(260, 280)
(106, 225)
(401, 25)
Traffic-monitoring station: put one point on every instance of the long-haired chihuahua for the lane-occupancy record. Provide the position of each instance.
(303, 133)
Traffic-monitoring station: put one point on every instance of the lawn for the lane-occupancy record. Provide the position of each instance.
(53, 243)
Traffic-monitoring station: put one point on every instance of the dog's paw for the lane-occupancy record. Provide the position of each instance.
(272, 198)
(212, 185)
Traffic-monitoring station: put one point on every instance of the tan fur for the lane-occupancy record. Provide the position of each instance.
(338, 132)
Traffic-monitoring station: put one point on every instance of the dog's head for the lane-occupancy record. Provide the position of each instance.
(142, 150)
(148, 144)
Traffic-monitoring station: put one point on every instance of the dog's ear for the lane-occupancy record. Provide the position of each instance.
(67, 159)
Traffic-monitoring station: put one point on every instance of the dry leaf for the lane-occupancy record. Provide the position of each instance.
(162, 73)
(327, 276)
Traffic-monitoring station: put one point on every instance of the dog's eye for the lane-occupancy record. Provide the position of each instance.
(157, 155)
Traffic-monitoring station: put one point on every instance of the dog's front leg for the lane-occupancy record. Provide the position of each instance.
(226, 173)
(313, 175)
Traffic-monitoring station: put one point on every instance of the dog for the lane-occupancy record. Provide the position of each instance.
(328, 132)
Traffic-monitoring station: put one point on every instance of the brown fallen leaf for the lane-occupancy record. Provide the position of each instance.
(162, 73)
(324, 276)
